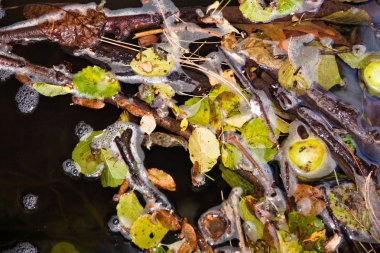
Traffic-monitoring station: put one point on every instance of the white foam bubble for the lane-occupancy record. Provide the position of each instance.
(30, 202)
(25, 247)
(27, 99)
(114, 224)
(83, 130)
(71, 168)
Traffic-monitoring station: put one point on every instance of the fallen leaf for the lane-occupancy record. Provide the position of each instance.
(161, 179)
(148, 123)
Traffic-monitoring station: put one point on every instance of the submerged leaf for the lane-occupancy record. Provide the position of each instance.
(96, 83)
(114, 172)
(235, 180)
(204, 148)
(246, 215)
(167, 140)
(64, 247)
(291, 80)
(201, 116)
(145, 234)
(51, 90)
(128, 209)
(83, 156)
(352, 16)
(310, 230)
(256, 133)
(328, 72)
(151, 62)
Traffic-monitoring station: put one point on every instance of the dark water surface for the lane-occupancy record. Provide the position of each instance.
(33, 147)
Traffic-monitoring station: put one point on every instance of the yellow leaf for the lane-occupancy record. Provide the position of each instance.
(184, 124)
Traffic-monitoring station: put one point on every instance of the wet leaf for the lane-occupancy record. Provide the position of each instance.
(261, 52)
(328, 72)
(358, 61)
(114, 172)
(129, 209)
(230, 156)
(352, 16)
(151, 62)
(167, 140)
(347, 138)
(256, 134)
(64, 247)
(83, 156)
(235, 180)
(145, 234)
(246, 215)
(204, 148)
(161, 179)
(148, 123)
(288, 243)
(254, 11)
(291, 80)
(51, 90)
(310, 230)
(201, 114)
(96, 83)
(312, 196)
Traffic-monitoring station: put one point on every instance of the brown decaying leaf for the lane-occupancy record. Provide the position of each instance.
(188, 233)
(280, 31)
(167, 219)
(89, 103)
(161, 179)
(312, 194)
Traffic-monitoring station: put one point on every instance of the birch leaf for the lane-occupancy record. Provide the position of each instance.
(51, 90)
(204, 148)
(145, 234)
(151, 62)
(114, 172)
(328, 72)
(128, 209)
(353, 16)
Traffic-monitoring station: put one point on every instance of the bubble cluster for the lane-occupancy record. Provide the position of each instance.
(27, 99)
(82, 130)
(23, 247)
(114, 224)
(30, 202)
(70, 168)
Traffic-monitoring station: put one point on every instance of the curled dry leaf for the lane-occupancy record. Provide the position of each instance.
(148, 123)
(167, 219)
(309, 199)
(161, 179)
(188, 233)
(89, 103)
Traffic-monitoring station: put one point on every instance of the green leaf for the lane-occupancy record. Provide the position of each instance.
(328, 72)
(256, 134)
(96, 83)
(164, 90)
(358, 62)
(152, 62)
(304, 227)
(235, 180)
(145, 234)
(128, 209)
(288, 6)
(371, 77)
(83, 156)
(347, 138)
(114, 172)
(51, 90)
(202, 117)
(253, 10)
(230, 156)
(290, 80)
(64, 247)
(203, 148)
(352, 16)
(246, 215)
(288, 243)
